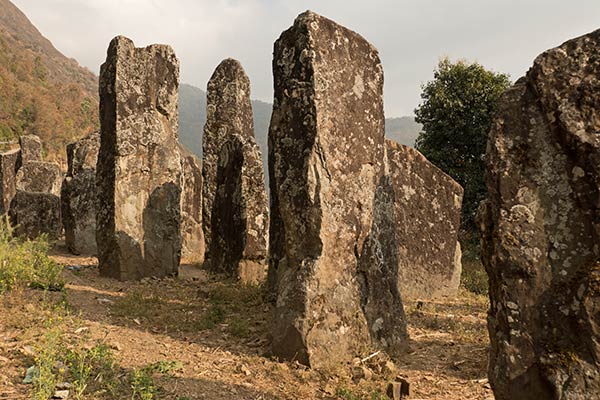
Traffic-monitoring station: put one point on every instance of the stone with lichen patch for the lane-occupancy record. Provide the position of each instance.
(427, 212)
(31, 148)
(36, 213)
(9, 164)
(39, 176)
(228, 112)
(541, 238)
(139, 169)
(333, 263)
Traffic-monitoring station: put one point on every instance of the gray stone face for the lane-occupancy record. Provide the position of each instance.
(240, 214)
(541, 239)
(427, 212)
(31, 148)
(36, 213)
(229, 112)
(39, 176)
(9, 164)
(78, 195)
(192, 234)
(331, 266)
(139, 169)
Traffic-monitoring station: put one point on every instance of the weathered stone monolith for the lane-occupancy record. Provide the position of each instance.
(541, 238)
(228, 112)
(31, 148)
(35, 213)
(40, 176)
(78, 195)
(192, 234)
(240, 216)
(9, 164)
(333, 262)
(428, 204)
(138, 174)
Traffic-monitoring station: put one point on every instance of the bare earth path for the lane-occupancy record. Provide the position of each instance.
(217, 333)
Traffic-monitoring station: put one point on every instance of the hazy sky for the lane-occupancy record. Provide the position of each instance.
(411, 35)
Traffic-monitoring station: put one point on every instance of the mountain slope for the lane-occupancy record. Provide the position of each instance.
(41, 90)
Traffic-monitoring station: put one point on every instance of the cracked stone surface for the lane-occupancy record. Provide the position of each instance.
(333, 263)
(540, 228)
(78, 195)
(427, 212)
(139, 169)
(228, 112)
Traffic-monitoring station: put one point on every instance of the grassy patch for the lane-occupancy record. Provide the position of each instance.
(474, 278)
(26, 263)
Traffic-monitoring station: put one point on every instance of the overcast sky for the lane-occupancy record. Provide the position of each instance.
(411, 35)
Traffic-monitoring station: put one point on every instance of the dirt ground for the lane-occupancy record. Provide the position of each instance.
(217, 334)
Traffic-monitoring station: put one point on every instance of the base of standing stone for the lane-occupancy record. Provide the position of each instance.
(34, 213)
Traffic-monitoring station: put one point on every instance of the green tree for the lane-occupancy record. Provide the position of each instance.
(456, 112)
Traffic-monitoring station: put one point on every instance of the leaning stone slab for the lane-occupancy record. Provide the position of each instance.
(31, 148)
(229, 112)
(36, 213)
(333, 261)
(39, 176)
(427, 213)
(9, 164)
(240, 214)
(192, 234)
(139, 169)
(541, 237)
(78, 196)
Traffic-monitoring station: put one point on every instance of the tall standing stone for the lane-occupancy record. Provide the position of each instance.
(428, 204)
(9, 164)
(333, 263)
(240, 216)
(31, 148)
(139, 169)
(228, 112)
(541, 238)
(78, 195)
(192, 234)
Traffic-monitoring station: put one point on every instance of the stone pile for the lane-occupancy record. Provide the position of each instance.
(235, 205)
(78, 195)
(333, 252)
(541, 237)
(138, 173)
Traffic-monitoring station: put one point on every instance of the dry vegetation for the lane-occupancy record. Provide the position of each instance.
(202, 337)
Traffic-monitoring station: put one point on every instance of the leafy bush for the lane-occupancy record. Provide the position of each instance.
(26, 262)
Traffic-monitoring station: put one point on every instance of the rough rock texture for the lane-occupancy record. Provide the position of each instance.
(39, 176)
(31, 148)
(333, 265)
(139, 169)
(9, 164)
(428, 204)
(240, 216)
(228, 112)
(78, 195)
(192, 234)
(34, 213)
(541, 243)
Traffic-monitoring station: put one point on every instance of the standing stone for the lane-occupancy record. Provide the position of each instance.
(40, 176)
(192, 234)
(31, 148)
(139, 169)
(78, 195)
(240, 214)
(332, 267)
(228, 112)
(9, 164)
(541, 238)
(428, 204)
(36, 213)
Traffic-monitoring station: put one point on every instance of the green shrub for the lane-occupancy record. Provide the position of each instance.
(26, 262)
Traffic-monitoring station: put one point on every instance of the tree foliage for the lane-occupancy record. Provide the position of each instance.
(456, 112)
